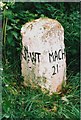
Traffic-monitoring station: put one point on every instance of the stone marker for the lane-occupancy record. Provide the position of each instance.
(43, 55)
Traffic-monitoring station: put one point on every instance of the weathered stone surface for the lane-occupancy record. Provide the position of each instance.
(43, 56)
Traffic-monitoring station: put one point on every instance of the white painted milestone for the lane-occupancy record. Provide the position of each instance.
(43, 54)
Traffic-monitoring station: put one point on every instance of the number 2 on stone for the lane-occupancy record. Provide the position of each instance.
(55, 68)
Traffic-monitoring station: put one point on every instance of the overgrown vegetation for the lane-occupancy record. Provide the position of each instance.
(26, 103)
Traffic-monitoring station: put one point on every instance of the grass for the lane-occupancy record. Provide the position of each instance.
(26, 103)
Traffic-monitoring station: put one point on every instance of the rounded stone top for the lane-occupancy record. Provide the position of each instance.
(41, 24)
(43, 55)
